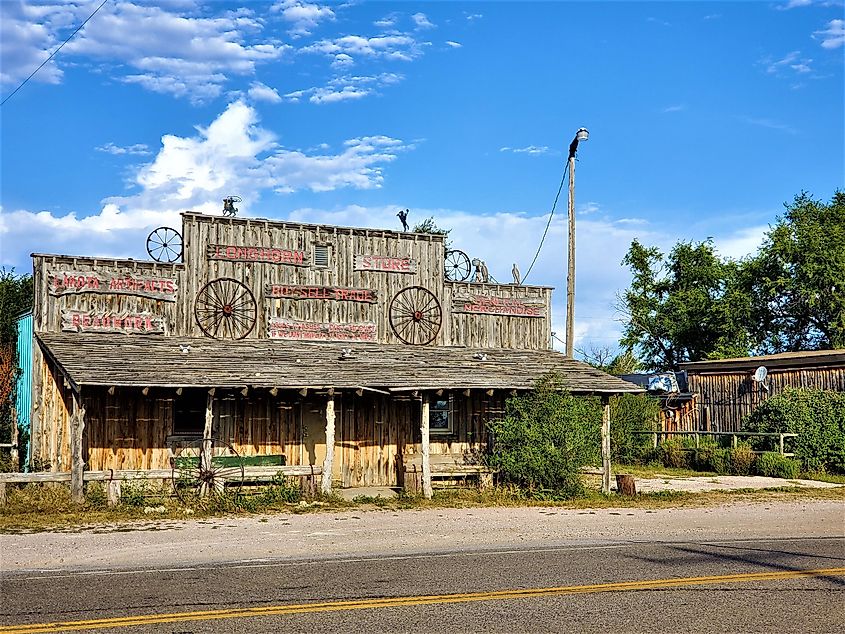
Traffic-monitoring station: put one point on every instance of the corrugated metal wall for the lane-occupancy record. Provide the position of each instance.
(23, 399)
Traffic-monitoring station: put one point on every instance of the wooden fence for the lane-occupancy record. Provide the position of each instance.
(113, 478)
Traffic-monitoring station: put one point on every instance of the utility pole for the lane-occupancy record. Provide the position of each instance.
(581, 135)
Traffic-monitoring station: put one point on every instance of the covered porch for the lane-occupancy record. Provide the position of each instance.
(355, 411)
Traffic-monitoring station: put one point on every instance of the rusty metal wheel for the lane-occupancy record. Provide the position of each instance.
(457, 267)
(164, 245)
(204, 467)
(415, 315)
(226, 309)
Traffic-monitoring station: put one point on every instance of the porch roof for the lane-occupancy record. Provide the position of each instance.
(137, 360)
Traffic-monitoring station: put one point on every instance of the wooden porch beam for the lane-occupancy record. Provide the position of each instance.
(77, 428)
(326, 484)
(426, 448)
(605, 444)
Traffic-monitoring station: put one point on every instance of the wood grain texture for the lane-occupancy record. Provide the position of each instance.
(729, 397)
(88, 359)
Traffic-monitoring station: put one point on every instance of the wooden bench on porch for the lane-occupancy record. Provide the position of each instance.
(446, 469)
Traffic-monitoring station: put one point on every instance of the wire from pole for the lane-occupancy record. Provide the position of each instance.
(53, 54)
(548, 224)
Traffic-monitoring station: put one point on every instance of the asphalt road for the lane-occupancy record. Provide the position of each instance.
(775, 585)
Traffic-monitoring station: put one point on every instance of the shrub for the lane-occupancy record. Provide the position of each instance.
(742, 459)
(95, 496)
(774, 465)
(711, 457)
(282, 489)
(632, 413)
(545, 438)
(673, 453)
(817, 416)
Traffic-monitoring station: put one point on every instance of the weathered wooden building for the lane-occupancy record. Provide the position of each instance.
(730, 389)
(276, 337)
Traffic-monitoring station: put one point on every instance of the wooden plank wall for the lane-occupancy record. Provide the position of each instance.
(128, 430)
(53, 404)
(680, 416)
(199, 232)
(47, 309)
(202, 231)
(727, 397)
(499, 331)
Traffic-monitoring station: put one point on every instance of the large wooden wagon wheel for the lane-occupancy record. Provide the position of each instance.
(206, 466)
(415, 315)
(226, 309)
(457, 267)
(164, 245)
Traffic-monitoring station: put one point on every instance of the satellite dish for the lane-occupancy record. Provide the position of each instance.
(760, 375)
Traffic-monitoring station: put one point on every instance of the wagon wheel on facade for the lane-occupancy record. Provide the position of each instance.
(415, 315)
(457, 266)
(226, 309)
(164, 245)
(204, 467)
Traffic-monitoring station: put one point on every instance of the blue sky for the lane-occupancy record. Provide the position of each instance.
(704, 118)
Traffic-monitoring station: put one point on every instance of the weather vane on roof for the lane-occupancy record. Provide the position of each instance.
(229, 209)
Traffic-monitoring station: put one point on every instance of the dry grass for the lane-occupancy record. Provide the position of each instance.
(36, 509)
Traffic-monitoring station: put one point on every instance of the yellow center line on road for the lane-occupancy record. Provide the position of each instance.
(406, 601)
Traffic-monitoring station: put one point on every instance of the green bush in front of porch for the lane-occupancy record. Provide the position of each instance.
(545, 439)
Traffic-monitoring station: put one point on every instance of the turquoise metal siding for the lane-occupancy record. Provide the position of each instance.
(23, 399)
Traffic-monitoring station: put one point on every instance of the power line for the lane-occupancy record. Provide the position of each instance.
(53, 54)
(548, 224)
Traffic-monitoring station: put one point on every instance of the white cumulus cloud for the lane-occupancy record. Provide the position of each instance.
(234, 154)
(833, 36)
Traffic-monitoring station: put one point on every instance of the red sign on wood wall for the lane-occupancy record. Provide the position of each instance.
(141, 285)
(270, 255)
(130, 323)
(312, 331)
(384, 263)
(331, 293)
(491, 305)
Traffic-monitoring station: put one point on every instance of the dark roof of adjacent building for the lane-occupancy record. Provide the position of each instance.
(804, 359)
(132, 360)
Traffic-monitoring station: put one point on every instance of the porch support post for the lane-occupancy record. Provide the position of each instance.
(326, 485)
(426, 449)
(77, 464)
(605, 445)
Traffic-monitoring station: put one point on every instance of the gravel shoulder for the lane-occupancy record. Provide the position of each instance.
(378, 533)
(724, 483)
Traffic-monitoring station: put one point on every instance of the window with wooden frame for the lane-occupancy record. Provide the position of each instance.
(441, 415)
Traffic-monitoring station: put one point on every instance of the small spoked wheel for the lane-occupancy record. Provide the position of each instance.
(226, 309)
(457, 267)
(164, 245)
(415, 315)
(204, 467)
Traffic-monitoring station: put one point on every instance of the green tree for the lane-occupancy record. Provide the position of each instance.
(429, 225)
(797, 279)
(15, 298)
(688, 306)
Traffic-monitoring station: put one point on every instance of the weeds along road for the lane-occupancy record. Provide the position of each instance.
(700, 570)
